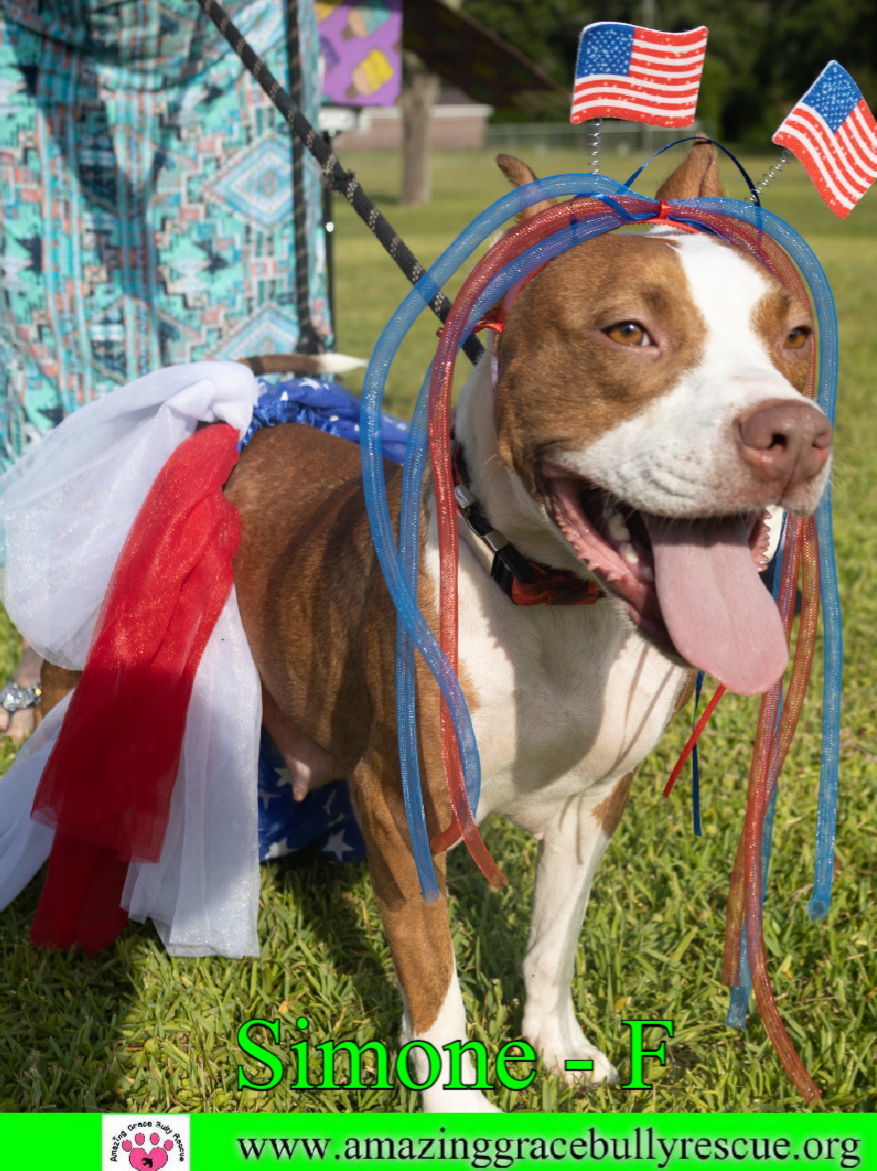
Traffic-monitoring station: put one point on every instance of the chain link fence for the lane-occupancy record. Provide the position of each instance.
(620, 138)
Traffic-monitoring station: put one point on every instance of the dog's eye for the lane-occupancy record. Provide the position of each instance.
(798, 337)
(628, 333)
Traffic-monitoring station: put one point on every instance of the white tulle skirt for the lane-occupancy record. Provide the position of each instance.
(66, 508)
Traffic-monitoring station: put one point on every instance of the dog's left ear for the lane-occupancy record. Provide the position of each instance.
(696, 176)
(518, 173)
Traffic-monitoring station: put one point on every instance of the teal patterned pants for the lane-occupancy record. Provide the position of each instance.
(146, 198)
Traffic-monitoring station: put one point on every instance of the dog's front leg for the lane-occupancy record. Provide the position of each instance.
(572, 845)
(420, 940)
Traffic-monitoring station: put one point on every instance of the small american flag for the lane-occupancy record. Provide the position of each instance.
(639, 74)
(833, 135)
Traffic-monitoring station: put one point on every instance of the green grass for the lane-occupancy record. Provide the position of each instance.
(133, 1030)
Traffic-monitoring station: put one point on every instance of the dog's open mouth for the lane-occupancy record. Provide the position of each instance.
(691, 586)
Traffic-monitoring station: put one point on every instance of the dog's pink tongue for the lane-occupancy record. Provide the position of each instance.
(719, 614)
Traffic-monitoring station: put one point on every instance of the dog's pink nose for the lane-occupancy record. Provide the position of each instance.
(786, 443)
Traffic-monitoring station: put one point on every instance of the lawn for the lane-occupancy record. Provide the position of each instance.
(134, 1030)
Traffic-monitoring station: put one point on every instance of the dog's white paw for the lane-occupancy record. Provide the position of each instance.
(566, 1050)
(602, 1071)
(440, 1101)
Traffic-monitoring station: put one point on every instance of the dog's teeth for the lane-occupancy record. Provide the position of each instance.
(629, 554)
(647, 573)
(618, 530)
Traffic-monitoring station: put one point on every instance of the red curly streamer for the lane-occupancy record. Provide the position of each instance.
(693, 739)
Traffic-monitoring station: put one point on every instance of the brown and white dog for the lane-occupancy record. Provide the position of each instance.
(647, 409)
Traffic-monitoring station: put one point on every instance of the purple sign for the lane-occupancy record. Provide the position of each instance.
(361, 51)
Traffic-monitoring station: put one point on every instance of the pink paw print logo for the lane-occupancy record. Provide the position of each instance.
(152, 1158)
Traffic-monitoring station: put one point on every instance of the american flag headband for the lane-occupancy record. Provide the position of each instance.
(666, 213)
(645, 75)
(526, 248)
(593, 205)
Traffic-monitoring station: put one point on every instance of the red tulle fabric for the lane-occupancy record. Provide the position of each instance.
(108, 783)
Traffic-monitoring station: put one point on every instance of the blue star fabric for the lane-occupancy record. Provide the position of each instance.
(324, 817)
(326, 405)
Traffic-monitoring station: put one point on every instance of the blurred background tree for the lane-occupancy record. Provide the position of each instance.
(761, 56)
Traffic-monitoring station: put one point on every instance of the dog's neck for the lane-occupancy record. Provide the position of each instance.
(500, 494)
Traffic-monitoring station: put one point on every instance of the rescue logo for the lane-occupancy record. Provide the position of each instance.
(150, 1143)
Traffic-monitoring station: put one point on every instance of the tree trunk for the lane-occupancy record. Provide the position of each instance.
(419, 93)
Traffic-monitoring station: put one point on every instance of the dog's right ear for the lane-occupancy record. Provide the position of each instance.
(518, 173)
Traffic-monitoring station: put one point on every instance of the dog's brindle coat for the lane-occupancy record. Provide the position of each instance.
(565, 700)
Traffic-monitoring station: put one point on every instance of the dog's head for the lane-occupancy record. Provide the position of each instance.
(649, 399)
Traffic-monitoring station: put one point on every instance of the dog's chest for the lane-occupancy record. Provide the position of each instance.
(563, 697)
